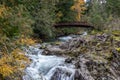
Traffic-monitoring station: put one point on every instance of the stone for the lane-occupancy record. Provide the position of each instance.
(69, 60)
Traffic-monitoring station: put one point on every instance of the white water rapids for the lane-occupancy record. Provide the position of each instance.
(51, 67)
(47, 67)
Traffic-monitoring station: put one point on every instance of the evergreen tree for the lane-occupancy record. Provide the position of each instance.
(113, 7)
(64, 11)
(44, 16)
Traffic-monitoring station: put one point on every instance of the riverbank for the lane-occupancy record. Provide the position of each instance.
(94, 56)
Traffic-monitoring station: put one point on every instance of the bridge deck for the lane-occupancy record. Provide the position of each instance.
(73, 24)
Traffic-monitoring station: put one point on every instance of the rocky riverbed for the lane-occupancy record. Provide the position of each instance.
(88, 57)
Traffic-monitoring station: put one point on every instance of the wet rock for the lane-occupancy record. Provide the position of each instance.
(64, 45)
(69, 60)
(102, 37)
(115, 64)
(93, 70)
(115, 53)
(78, 76)
(95, 64)
(53, 50)
(73, 44)
(118, 44)
(62, 74)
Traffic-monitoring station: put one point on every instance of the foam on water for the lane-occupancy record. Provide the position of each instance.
(45, 67)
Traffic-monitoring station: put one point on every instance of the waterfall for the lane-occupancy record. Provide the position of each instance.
(45, 67)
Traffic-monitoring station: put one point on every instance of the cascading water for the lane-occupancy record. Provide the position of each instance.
(47, 67)
(81, 67)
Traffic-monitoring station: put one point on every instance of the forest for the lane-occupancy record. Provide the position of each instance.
(25, 23)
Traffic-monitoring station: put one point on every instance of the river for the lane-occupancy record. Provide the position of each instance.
(46, 67)
(66, 61)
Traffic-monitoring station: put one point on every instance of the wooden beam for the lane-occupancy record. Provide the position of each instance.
(73, 24)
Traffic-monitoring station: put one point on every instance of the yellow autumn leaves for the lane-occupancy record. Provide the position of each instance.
(13, 60)
(79, 8)
(2, 9)
(13, 63)
(26, 41)
(6, 70)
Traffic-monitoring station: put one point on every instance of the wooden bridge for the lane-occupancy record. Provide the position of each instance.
(73, 24)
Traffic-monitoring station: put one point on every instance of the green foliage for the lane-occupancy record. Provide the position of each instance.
(103, 15)
(97, 14)
(113, 7)
(97, 21)
(15, 21)
(44, 16)
(116, 32)
(64, 7)
(67, 31)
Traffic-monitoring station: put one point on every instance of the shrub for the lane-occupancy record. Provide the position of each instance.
(15, 21)
(12, 65)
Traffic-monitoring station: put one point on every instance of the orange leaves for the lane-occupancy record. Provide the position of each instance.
(59, 14)
(5, 60)
(26, 41)
(20, 58)
(13, 63)
(79, 8)
(6, 70)
(19, 55)
(2, 9)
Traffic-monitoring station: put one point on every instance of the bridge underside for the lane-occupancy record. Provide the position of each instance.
(73, 24)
